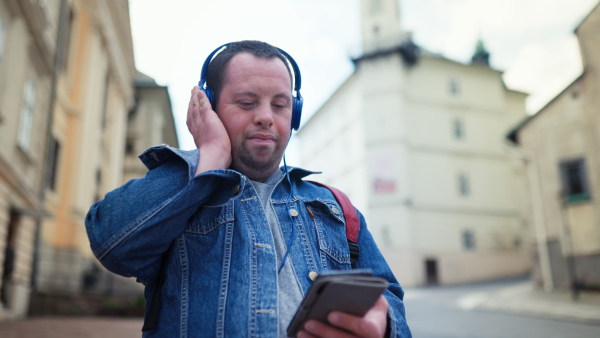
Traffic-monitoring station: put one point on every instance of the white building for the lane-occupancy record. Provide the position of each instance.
(417, 142)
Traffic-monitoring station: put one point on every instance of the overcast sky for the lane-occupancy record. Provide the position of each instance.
(532, 41)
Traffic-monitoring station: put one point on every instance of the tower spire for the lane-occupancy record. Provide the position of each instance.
(481, 55)
(380, 21)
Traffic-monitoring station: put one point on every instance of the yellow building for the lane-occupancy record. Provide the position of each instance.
(93, 97)
(561, 144)
(70, 122)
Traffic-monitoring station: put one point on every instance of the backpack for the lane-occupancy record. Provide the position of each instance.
(352, 228)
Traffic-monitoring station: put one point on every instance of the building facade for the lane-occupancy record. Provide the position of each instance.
(149, 124)
(71, 115)
(27, 46)
(561, 144)
(417, 142)
(94, 93)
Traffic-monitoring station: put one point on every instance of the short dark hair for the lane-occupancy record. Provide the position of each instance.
(215, 74)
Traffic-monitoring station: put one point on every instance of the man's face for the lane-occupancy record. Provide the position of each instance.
(255, 106)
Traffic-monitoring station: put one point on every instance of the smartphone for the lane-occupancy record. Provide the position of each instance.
(353, 292)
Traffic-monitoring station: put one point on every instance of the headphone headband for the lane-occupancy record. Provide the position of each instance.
(297, 80)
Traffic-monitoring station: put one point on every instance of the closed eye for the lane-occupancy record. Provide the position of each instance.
(280, 105)
(246, 104)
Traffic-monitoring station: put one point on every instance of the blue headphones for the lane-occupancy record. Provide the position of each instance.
(297, 100)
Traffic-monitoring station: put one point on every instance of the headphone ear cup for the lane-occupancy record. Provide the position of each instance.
(297, 112)
(209, 95)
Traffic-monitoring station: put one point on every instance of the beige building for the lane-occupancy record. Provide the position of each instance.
(149, 124)
(27, 45)
(561, 144)
(69, 122)
(417, 142)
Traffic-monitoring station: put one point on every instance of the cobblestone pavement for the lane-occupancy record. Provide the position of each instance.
(72, 327)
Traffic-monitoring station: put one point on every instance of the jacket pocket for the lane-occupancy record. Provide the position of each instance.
(206, 219)
(330, 228)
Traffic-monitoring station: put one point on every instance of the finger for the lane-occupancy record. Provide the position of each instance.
(204, 102)
(319, 329)
(199, 100)
(304, 334)
(194, 100)
(198, 108)
(373, 324)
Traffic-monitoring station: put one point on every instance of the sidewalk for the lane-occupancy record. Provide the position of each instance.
(72, 327)
(525, 299)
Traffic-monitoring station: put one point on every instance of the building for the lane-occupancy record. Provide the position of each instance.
(94, 94)
(418, 145)
(72, 110)
(27, 47)
(561, 144)
(149, 124)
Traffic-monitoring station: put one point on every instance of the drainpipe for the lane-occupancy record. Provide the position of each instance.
(539, 220)
(570, 258)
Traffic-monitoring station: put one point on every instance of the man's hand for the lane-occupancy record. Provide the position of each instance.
(209, 133)
(373, 324)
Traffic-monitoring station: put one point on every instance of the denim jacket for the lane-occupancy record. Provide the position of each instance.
(220, 262)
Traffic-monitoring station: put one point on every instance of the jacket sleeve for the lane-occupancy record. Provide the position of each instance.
(371, 258)
(131, 228)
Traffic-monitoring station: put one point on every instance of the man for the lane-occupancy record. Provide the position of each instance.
(229, 242)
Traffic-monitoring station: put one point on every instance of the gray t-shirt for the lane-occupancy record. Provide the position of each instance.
(289, 292)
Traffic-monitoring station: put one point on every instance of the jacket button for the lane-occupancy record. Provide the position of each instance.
(313, 275)
(293, 212)
(236, 189)
(335, 210)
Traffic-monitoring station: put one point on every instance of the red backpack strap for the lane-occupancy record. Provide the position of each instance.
(352, 223)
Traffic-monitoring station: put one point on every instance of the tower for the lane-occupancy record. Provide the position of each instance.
(380, 24)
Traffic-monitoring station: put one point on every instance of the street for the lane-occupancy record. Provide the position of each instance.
(432, 312)
(72, 327)
(448, 312)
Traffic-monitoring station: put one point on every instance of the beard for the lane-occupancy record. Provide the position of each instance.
(259, 162)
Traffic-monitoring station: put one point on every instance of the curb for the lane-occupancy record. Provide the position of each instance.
(524, 299)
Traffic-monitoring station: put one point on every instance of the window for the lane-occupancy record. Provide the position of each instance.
(468, 239)
(52, 165)
(454, 86)
(375, 6)
(458, 129)
(130, 146)
(64, 40)
(2, 39)
(98, 177)
(27, 112)
(105, 100)
(464, 188)
(386, 236)
(574, 181)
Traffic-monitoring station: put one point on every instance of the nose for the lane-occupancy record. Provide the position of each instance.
(263, 115)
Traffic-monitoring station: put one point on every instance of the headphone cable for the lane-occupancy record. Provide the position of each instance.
(287, 203)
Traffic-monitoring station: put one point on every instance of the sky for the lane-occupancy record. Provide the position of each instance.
(531, 41)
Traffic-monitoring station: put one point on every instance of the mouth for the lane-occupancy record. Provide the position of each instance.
(261, 138)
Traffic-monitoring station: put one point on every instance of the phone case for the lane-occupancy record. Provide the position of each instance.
(353, 293)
